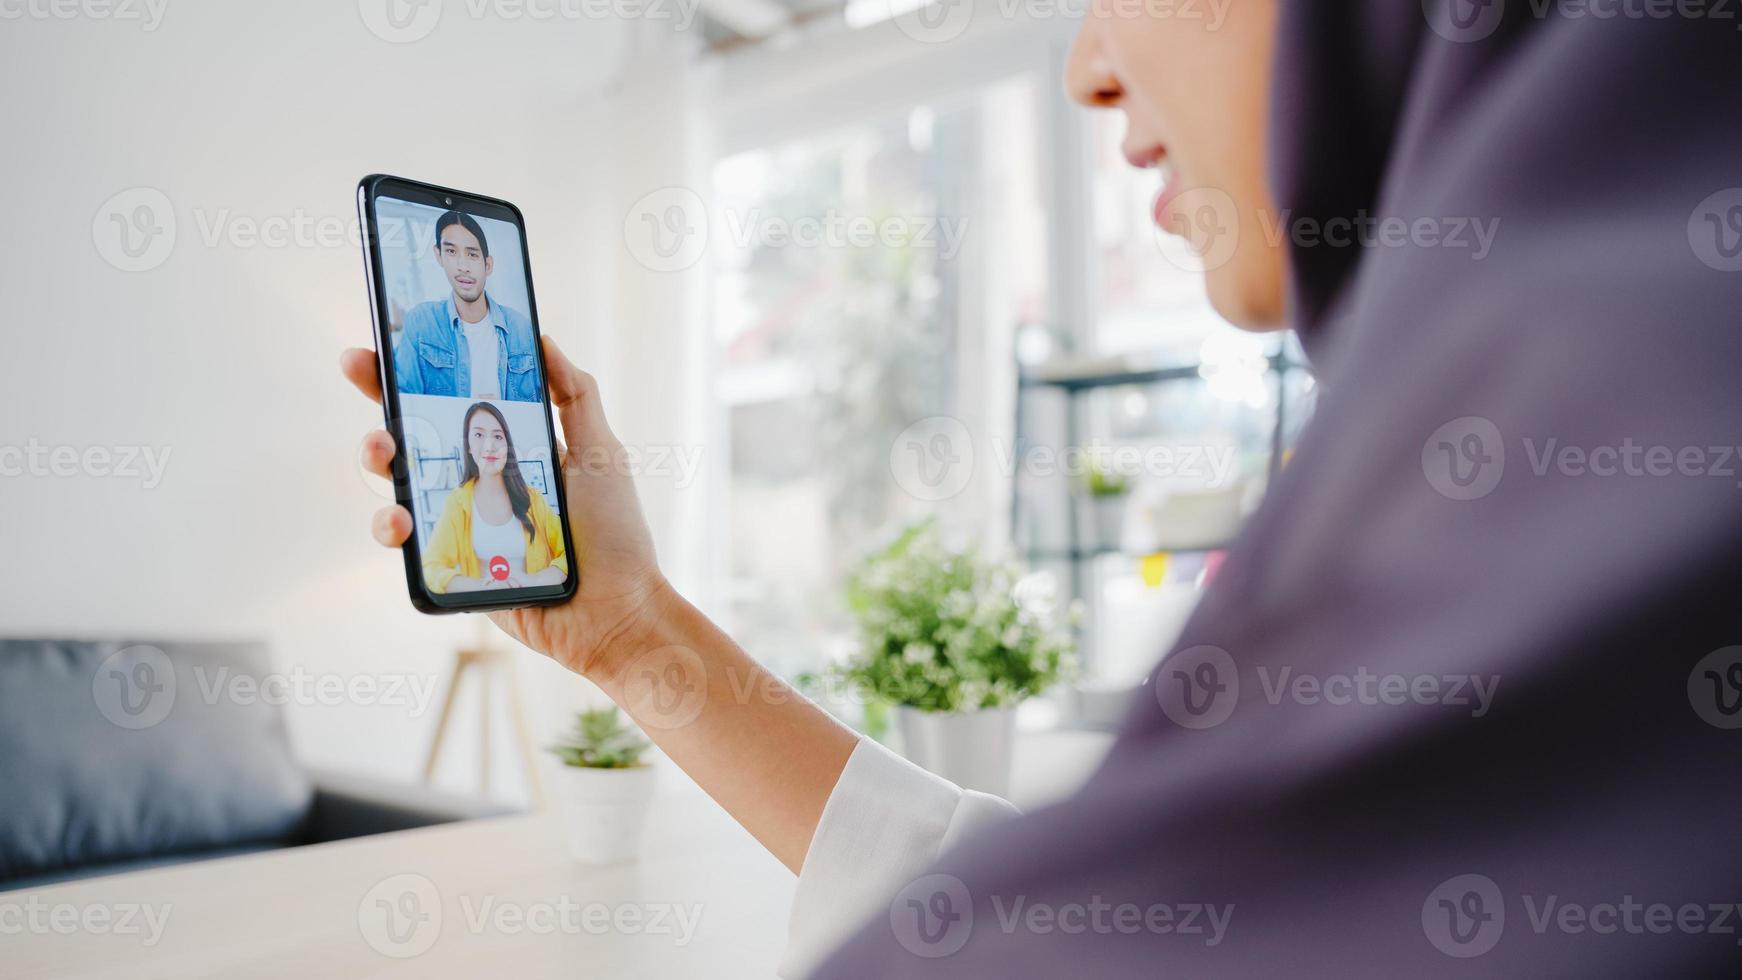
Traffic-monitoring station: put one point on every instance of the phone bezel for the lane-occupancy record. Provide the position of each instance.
(369, 189)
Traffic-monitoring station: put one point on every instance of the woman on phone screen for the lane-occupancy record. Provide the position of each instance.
(495, 532)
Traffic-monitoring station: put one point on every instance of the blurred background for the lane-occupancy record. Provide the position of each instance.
(839, 267)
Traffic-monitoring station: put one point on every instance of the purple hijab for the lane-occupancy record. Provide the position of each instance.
(1465, 699)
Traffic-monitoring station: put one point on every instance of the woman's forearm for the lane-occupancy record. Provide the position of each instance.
(764, 752)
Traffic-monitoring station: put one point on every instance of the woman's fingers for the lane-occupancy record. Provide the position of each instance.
(359, 366)
(392, 525)
(378, 454)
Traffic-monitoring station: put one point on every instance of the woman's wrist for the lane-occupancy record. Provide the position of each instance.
(653, 619)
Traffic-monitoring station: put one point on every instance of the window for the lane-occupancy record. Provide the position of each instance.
(832, 338)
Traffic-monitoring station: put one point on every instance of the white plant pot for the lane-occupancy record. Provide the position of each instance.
(604, 811)
(969, 748)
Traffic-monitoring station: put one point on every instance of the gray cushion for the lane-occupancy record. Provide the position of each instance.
(117, 751)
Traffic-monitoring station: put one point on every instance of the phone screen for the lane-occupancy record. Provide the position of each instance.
(455, 312)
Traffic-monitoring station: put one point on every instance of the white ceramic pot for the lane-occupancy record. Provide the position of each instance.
(604, 811)
(969, 748)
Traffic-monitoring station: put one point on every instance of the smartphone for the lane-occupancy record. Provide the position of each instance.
(463, 390)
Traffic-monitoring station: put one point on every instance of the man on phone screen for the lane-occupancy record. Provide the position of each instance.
(467, 345)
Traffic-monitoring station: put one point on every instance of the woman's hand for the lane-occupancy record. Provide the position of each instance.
(767, 754)
(620, 579)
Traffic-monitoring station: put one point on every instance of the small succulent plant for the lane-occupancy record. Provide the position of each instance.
(601, 739)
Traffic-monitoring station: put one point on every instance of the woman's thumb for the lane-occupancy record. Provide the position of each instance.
(575, 395)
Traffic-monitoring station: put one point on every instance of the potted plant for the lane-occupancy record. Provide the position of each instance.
(1106, 490)
(955, 642)
(604, 786)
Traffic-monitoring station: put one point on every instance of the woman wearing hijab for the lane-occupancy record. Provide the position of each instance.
(495, 532)
(1463, 698)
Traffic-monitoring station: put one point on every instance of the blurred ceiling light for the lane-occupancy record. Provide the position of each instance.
(750, 18)
(864, 13)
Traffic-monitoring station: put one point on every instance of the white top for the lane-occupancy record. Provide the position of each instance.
(490, 540)
(883, 825)
(481, 339)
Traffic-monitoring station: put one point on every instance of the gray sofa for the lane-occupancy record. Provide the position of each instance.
(117, 756)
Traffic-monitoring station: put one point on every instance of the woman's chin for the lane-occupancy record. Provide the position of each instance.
(1248, 294)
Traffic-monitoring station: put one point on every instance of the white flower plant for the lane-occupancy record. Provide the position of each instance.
(944, 629)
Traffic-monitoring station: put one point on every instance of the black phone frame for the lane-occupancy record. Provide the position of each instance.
(369, 190)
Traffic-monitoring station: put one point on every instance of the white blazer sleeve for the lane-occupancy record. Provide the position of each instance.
(882, 826)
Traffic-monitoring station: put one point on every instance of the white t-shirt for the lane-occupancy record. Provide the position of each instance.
(481, 338)
(507, 540)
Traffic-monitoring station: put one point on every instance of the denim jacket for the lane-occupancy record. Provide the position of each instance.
(432, 357)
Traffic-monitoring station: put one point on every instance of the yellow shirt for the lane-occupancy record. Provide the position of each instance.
(450, 549)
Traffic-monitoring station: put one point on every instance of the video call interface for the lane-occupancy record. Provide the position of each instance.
(465, 362)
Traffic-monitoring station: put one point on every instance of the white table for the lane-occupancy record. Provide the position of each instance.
(511, 903)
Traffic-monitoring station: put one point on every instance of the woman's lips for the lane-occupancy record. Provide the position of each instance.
(1155, 158)
(1171, 188)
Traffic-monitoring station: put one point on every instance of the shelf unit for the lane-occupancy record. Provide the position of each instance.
(1075, 379)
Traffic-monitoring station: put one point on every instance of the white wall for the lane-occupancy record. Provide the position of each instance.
(246, 116)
